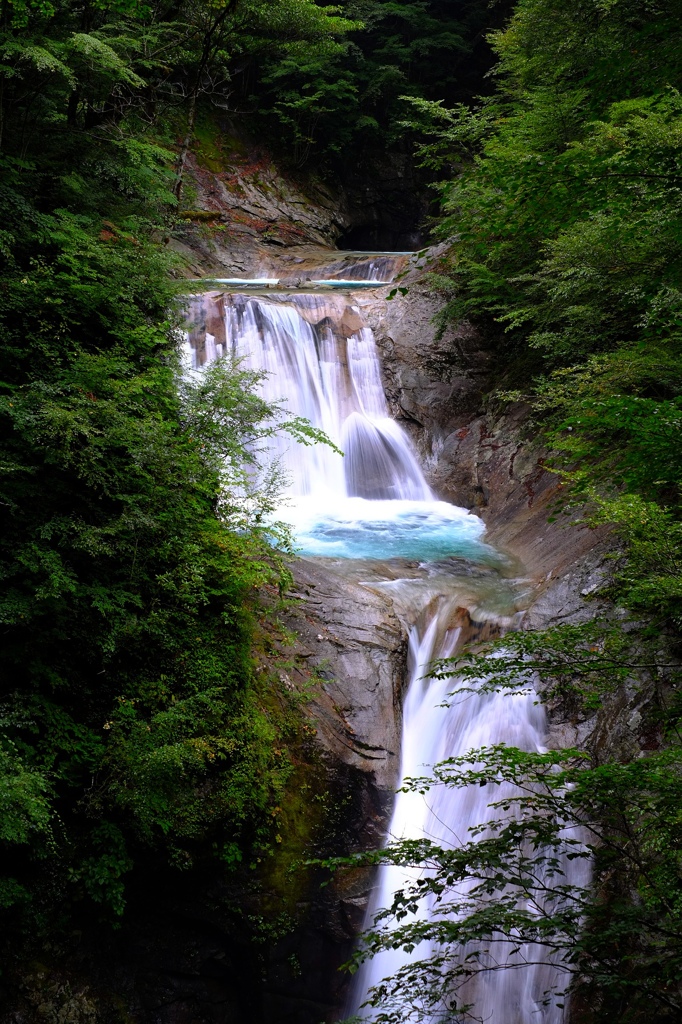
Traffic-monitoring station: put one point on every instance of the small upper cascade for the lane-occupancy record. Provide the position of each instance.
(286, 284)
(348, 272)
(379, 267)
(329, 376)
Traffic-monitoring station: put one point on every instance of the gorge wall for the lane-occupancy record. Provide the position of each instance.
(350, 637)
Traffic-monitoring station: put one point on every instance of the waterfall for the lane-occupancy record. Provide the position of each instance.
(331, 380)
(521, 992)
(320, 362)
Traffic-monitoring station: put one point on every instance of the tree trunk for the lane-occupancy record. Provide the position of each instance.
(186, 143)
(208, 47)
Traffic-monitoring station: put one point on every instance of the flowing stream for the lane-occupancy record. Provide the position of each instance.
(374, 504)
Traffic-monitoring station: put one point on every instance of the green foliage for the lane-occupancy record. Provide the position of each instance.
(651, 579)
(575, 666)
(24, 807)
(137, 524)
(130, 557)
(503, 895)
(347, 92)
(621, 412)
(568, 215)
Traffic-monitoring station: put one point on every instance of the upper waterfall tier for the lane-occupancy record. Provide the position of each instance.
(322, 370)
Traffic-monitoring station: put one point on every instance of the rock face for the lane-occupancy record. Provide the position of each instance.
(433, 383)
(246, 214)
(351, 644)
(352, 640)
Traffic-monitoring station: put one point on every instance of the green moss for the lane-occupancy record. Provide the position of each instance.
(215, 149)
(201, 215)
(299, 821)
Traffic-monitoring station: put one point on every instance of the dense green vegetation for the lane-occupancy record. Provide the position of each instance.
(133, 723)
(347, 97)
(563, 197)
(569, 235)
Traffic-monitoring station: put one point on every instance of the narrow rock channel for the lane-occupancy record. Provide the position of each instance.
(371, 526)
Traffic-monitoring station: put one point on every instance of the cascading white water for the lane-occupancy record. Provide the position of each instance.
(335, 384)
(374, 503)
(435, 728)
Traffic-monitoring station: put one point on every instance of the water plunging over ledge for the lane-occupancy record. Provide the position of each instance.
(373, 511)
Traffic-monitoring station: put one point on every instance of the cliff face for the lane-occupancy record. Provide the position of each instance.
(244, 216)
(351, 638)
(247, 215)
(350, 642)
(493, 464)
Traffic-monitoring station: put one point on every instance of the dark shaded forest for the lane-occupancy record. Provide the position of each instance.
(139, 586)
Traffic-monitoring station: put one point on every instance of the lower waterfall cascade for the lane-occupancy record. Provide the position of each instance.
(372, 507)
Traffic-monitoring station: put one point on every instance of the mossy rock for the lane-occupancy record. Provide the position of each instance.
(205, 216)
